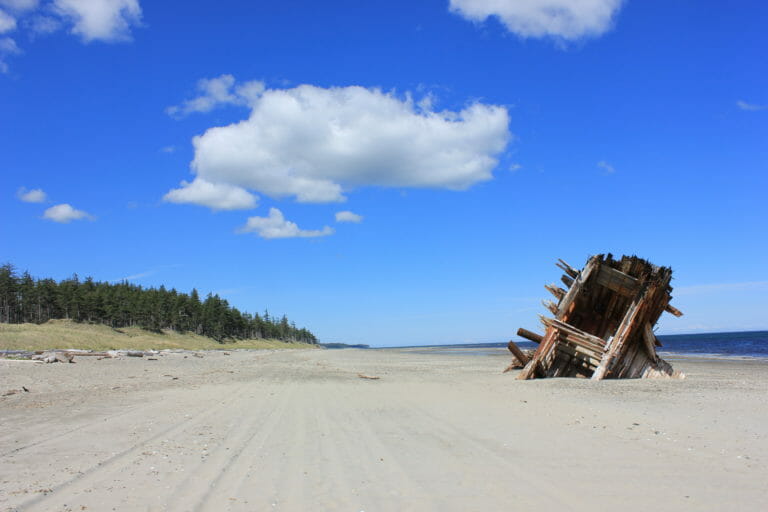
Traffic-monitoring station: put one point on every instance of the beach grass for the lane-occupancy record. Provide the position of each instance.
(65, 334)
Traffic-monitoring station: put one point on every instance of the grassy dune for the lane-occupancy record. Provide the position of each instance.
(64, 334)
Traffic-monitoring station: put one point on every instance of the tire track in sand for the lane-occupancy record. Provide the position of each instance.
(116, 463)
(209, 488)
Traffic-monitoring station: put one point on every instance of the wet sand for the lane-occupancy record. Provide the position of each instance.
(300, 430)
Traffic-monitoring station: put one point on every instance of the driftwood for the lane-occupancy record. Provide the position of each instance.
(603, 323)
(367, 377)
(55, 357)
(87, 353)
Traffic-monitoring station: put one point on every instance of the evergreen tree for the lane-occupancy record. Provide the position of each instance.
(24, 299)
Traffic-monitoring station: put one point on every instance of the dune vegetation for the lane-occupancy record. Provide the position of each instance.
(66, 334)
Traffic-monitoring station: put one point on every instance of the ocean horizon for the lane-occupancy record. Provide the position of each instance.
(740, 344)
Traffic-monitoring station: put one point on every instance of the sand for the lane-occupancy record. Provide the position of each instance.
(299, 430)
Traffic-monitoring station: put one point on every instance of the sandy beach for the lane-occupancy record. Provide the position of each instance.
(301, 430)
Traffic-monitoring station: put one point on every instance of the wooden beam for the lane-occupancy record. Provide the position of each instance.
(672, 309)
(579, 353)
(623, 332)
(649, 341)
(555, 290)
(567, 281)
(529, 335)
(551, 306)
(517, 352)
(534, 368)
(617, 281)
(569, 329)
(574, 339)
(567, 268)
(577, 284)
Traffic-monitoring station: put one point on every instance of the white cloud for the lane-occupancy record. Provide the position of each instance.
(7, 22)
(217, 196)
(92, 20)
(314, 143)
(35, 195)
(216, 92)
(560, 19)
(606, 167)
(515, 167)
(101, 20)
(41, 25)
(168, 149)
(275, 226)
(19, 5)
(347, 216)
(7, 47)
(743, 105)
(64, 213)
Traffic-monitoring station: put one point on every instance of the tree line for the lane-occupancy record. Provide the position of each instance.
(26, 299)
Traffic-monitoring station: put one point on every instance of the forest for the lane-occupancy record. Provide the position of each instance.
(26, 299)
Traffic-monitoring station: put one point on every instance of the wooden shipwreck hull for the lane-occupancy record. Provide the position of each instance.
(603, 322)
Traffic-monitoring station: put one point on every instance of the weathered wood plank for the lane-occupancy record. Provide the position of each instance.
(530, 335)
(567, 328)
(512, 347)
(555, 290)
(649, 341)
(551, 306)
(562, 265)
(672, 309)
(577, 285)
(622, 333)
(575, 352)
(617, 281)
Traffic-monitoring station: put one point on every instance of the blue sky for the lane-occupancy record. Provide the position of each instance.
(389, 172)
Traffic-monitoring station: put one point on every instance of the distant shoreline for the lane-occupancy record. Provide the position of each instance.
(719, 345)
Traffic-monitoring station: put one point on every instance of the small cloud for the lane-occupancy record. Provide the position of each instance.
(606, 167)
(566, 20)
(7, 47)
(515, 167)
(752, 107)
(136, 276)
(216, 196)
(145, 273)
(168, 149)
(36, 195)
(275, 226)
(64, 213)
(100, 20)
(92, 20)
(216, 92)
(43, 25)
(7, 22)
(347, 216)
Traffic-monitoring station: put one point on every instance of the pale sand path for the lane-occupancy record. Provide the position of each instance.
(298, 430)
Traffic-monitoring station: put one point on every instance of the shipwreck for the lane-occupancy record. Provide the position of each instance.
(602, 324)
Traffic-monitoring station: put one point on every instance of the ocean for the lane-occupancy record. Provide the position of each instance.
(751, 344)
(717, 344)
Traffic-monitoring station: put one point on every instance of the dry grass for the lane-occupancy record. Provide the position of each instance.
(64, 334)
